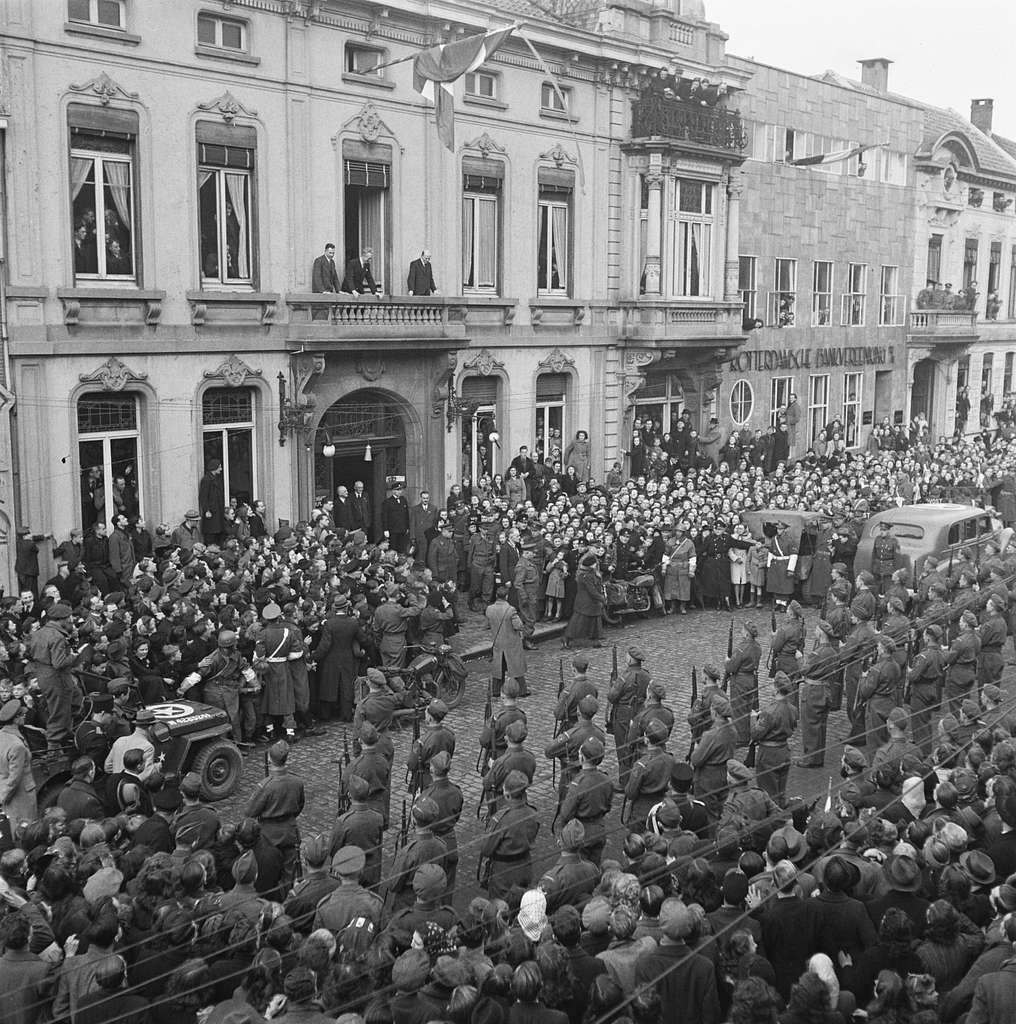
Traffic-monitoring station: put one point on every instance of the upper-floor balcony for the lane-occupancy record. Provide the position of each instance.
(945, 326)
(711, 130)
(682, 322)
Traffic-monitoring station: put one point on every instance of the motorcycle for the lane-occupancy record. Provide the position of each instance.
(637, 596)
(434, 672)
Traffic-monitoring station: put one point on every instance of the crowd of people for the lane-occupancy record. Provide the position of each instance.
(686, 887)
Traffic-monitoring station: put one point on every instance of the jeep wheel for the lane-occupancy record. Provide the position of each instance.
(220, 765)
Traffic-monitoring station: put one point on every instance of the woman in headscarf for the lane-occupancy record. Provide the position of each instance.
(586, 622)
(576, 455)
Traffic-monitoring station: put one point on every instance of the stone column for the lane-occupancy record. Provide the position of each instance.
(654, 227)
(735, 186)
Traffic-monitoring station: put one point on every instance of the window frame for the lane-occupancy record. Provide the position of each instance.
(545, 203)
(552, 108)
(544, 408)
(352, 48)
(741, 384)
(854, 306)
(1011, 308)
(1007, 373)
(106, 437)
(994, 280)
(475, 76)
(971, 248)
(222, 197)
(779, 386)
(780, 315)
(222, 430)
(895, 298)
(817, 308)
(816, 422)
(750, 305)
(856, 404)
(681, 239)
(934, 247)
(220, 20)
(99, 159)
(93, 19)
(475, 199)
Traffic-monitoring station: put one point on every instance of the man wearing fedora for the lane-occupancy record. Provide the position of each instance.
(337, 657)
(188, 533)
(51, 659)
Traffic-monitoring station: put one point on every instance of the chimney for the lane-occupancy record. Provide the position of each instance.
(875, 73)
(980, 114)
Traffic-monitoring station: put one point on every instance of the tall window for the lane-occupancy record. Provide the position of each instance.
(550, 409)
(109, 457)
(890, 302)
(225, 33)
(693, 237)
(822, 294)
(852, 383)
(553, 227)
(783, 297)
(227, 417)
(987, 372)
(551, 98)
(103, 224)
(742, 401)
(478, 450)
(969, 262)
(994, 268)
(962, 372)
(105, 13)
(366, 207)
(1012, 284)
(781, 389)
(226, 159)
(1007, 374)
(934, 272)
(747, 285)
(481, 225)
(818, 405)
(661, 401)
(855, 298)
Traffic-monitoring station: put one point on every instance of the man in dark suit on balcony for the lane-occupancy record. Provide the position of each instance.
(359, 278)
(325, 277)
(421, 276)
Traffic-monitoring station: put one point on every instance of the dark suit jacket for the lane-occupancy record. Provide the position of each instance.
(359, 278)
(359, 512)
(324, 277)
(342, 513)
(421, 278)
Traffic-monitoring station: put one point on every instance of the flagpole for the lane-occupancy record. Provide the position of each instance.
(402, 60)
(564, 105)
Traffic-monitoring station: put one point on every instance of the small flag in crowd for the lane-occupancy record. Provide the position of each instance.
(435, 69)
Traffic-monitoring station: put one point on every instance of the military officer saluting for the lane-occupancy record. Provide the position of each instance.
(589, 797)
(510, 836)
(649, 777)
(362, 826)
(885, 553)
(436, 736)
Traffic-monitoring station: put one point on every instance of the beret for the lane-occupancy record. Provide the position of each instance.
(144, 717)
(720, 705)
(10, 711)
(854, 758)
(426, 810)
(315, 850)
(190, 784)
(358, 788)
(350, 860)
(676, 920)
(270, 612)
(368, 734)
(934, 631)
(511, 688)
(376, 676)
(711, 671)
(300, 984)
(657, 689)
(429, 881)
(437, 709)
(866, 578)
(636, 653)
(573, 835)
(411, 970)
(898, 717)
(588, 707)
(245, 868)
(970, 709)
(596, 915)
(58, 611)
(515, 733)
(656, 731)
(450, 972)
(515, 783)
(948, 724)
(751, 629)
(992, 692)
(738, 771)
(441, 762)
(592, 749)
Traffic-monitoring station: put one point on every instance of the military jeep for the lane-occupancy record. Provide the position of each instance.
(190, 737)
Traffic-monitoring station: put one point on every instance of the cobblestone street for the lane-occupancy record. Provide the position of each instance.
(672, 646)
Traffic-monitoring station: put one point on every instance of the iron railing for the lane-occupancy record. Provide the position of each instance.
(662, 116)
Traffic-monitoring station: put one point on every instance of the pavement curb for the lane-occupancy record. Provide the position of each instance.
(483, 650)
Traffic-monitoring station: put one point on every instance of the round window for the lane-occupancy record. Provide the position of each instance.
(742, 401)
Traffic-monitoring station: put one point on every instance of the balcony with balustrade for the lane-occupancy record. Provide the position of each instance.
(942, 326)
(709, 131)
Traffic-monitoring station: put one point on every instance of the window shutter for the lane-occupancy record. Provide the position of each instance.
(482, 175)
(225, 156)
(102, 121)
(366, 174)
(552, 180)
(551, 387)
(482, 390)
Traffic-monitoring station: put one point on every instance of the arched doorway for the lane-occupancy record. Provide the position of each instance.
(923, 391)
(368, 432)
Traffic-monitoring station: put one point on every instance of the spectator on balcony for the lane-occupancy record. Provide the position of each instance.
(967, 298)
(421, 276)
(359, 277)
(994, 304)
(926, 297)
(324, 276)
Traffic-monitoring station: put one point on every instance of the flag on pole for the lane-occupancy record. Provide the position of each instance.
(435, 69)
(835, 157)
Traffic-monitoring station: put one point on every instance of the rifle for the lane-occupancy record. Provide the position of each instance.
(403, 836)
(266, 764)
(413, 774)
(483, 754)
(558, 722)
(772, 620)
(694, 701)
(613, 680)
(344, 777)
(730, 652)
